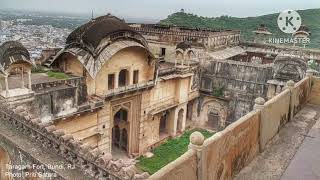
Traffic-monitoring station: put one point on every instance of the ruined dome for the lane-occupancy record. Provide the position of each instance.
(95, 42)
(184, 45)
(92, 33)
(12, 52)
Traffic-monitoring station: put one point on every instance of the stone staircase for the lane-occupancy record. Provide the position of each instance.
(18, 100)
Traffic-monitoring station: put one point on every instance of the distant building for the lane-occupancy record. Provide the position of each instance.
(261, 34)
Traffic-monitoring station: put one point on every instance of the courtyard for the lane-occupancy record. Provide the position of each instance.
(168, 152)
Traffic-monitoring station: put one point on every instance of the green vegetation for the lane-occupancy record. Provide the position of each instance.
(168, 152)
(57, 75)
(312, 64)
(38, 69)
(218, 91)
(310, 17)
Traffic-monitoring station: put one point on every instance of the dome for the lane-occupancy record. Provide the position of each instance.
(12, 52)
(92, 33)
(95, 42)
(184, 45)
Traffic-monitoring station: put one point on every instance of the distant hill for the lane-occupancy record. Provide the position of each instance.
(310, 17)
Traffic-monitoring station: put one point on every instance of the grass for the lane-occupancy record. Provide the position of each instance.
(168, 152)
(57, 75)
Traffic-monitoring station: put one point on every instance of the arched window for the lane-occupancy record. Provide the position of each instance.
(180, 120)
(122, 114)
(123, 78)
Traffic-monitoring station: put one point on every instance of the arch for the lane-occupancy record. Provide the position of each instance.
(93, 64)
(190, 54)
(180, 120)
(4, 161)
(122, 114)
(179, 54)
(212, 107)
(120, 130)
(123, 78)
(289, 68)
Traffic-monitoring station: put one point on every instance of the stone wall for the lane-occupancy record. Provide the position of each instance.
(315, 91)
(300, 94)
(239, 82)
(184, 168)
(223, 155)
(228, 151)
(88, 159)
(273, 116)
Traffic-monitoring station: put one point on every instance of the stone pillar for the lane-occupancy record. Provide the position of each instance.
(130, 76)
(290, 85)
(271, 91)
(29, 79)
(309, 73)
(22, 79)
(259, 103)
(196, 144)
(116, 80)
(6, 84)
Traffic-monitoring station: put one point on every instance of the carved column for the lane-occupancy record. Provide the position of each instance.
(116, 80)
(29, 79)
(6, 84)
(130, 76)
(22, 79)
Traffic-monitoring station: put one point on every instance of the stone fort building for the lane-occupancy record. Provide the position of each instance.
(130, 87)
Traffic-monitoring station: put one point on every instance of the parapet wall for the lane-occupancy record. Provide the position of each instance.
(88, 159)
(223, 155)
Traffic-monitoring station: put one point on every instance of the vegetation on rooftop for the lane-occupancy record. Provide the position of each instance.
(168, 152)
(57, 75)
(310, 18)
(38, 69)
(218, 91)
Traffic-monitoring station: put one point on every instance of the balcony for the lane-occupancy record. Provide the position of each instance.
(129, 88)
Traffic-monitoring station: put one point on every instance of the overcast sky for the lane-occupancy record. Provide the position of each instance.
(158, 9)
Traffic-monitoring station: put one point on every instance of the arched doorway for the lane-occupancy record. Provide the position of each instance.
(4, 162)
(180, 120)
(120, 131)
(123, 78)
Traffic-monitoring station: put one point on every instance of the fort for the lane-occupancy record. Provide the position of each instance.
(117, 91)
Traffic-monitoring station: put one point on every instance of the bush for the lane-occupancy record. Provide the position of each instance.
(57, 75)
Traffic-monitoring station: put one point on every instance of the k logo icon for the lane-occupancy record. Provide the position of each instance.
(289, 21)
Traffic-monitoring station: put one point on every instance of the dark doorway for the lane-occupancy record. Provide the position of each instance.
(120, 131)
(163, 52)
(163, 124)
(110, 81)
(180, 120)
(123, 78)
(124, 140)
(135, 76)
